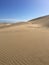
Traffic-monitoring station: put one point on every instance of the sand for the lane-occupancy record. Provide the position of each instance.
(24, 45)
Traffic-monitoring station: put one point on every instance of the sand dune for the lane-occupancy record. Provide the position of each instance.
(43, 21)
(24, 44)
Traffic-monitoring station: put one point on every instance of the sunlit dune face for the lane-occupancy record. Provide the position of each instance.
(5, 24)
(8, 24)
(36, 25)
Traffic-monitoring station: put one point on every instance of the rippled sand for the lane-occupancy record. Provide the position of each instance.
(24, 45)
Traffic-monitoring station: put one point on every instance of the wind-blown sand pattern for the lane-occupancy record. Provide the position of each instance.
(24, 45)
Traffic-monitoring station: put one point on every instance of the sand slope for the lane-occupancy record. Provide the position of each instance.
(24, 45)
(42, 21)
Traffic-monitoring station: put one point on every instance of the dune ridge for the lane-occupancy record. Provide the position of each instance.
(43, 21)
(24, 43)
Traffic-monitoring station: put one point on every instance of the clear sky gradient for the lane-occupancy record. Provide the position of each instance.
(17, 10)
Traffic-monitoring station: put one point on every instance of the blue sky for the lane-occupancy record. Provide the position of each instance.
(19, 10)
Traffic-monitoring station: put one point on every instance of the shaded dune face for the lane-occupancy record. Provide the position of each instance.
(42, 21)
(24, 44)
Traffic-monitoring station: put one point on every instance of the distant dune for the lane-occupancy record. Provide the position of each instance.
(42, 21)
(36, 23)
(25, 43)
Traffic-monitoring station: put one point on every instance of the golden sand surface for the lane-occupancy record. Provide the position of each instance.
(24, 45)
